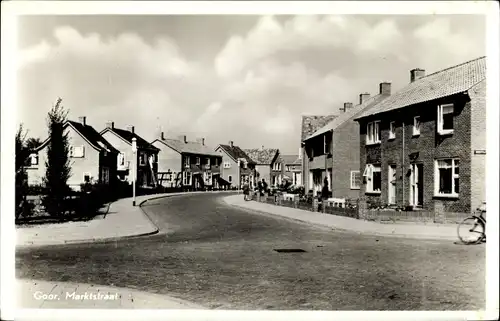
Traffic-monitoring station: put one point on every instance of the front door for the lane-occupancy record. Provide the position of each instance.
(416, 185)
(392, 185)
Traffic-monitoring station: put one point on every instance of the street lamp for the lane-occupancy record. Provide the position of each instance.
(134, 170)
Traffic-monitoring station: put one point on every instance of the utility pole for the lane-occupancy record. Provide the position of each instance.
(134, 152)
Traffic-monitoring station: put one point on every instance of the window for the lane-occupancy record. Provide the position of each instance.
(121, 159)
(355, 179)
(373, 133)
(392, 130)
(186, 161)
(230, 178)
(216, 161)
(447, 177)
(198, 161)
(142, 158)
(416, 126)
(77, 151)
(245, 164)
(445, 119)
(373, 178)
(227, 164)
(208, 161)
(87, 177)
(186, 178)
(105, 175)
(326, 147)
(34, 159)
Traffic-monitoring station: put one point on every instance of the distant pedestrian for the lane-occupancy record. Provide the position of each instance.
(264, 185)
(246, 191)
(325, 192)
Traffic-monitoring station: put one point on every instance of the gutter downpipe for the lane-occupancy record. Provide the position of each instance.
(403, 164)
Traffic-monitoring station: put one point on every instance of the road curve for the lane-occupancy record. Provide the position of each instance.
(223, 257)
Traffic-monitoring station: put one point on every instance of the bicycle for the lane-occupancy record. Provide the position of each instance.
(472, 230)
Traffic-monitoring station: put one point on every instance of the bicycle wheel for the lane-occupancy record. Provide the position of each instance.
(471, 230)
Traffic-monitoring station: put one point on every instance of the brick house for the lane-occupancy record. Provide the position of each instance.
(146, 156)
(265, 160)
(332, 150)
(182, 163)
(92, 158)
(292, 169)
(237, 166)
(424, 147)
(310, 124)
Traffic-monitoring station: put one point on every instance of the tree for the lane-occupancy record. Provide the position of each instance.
(58, 168)
(32, 143)
(21, 184)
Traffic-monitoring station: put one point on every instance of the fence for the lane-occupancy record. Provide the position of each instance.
(413, 216)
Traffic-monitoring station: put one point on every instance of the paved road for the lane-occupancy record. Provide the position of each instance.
(221, 257)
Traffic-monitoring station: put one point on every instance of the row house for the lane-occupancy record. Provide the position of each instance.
(292, 169)
(424, 147)
(183, 163)
(92, 158)
(266, 164)
(310, 124)
(146, 156)
(237, 166)
(333, 150)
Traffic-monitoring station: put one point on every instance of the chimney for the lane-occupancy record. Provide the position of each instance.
(262, 147)
(183, 138)
(82, 120)
(110, 124)
(201, 141)
(363, 97)
(130, 128)
(385, 88)
(231, 143)
(162, 135)
(346, 107)
(416, 73)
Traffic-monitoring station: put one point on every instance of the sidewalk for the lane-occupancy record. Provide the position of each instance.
(123, 220)
(35, 294)
(408, 230)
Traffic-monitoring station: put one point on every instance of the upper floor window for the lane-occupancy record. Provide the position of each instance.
(373, 132)
(216, 161)
(186, 161)
(392, 130)
(208, 161)
(77, 151)
(445, 119)
(142, 158)
(416, 125)
(33, 160)
(227, 164)
(198, 161)
(245, 164)
(121, 159)
(447, 177)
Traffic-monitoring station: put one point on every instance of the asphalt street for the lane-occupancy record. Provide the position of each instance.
(221, 257)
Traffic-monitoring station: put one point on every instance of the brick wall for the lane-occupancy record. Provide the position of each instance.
(429, 146)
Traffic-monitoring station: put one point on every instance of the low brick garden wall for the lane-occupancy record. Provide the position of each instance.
(412, 216)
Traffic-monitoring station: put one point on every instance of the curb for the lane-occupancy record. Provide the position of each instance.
(416, 237)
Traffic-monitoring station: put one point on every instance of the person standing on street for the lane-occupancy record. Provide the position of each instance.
(246, 191)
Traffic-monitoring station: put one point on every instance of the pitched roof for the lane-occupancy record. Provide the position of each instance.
(189, 147)
(236, 152)
(128, 135)
(262, 156)
(89, 134)
(349, 115)
(289, 159)
(311, 123)
(446, 82)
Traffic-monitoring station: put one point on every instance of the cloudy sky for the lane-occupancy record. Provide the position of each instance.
(242, 78)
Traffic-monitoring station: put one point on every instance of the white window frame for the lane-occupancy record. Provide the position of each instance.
(373, 133)
(187, 161)
(353, 180)
(207, 161)
(34, 159)
(440, 121)
(453, 177)
(73, 151)
(121, 156)
(227, 164)
(105, 178)
(392, 182)
(369, 182)
(186, 178)
(230, 178)
(392, 130)
(198, 160)
(416, 126)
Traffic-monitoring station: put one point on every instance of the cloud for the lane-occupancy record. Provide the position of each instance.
(256, 87)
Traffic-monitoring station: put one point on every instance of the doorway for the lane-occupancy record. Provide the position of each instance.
(416, 185)
(392, 185)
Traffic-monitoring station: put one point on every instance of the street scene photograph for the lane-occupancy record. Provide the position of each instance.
(332, 162)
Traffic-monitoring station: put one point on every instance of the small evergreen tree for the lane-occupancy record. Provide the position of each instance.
(58, 168)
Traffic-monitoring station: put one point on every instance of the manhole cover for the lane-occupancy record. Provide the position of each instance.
(289, 250)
